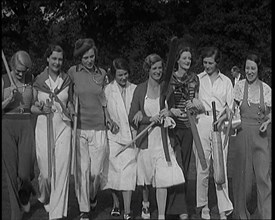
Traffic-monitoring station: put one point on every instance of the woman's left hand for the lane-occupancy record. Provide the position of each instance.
(220, 121)
(264, 126)
(165, 113)
(112, 126)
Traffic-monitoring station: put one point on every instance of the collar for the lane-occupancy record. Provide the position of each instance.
(121, 88)
(204, 73)
(45, 73)
(94, 70)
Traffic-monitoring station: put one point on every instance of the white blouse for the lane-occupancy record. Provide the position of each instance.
(252, 97)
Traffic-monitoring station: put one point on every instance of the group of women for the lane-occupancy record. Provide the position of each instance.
(128, 135)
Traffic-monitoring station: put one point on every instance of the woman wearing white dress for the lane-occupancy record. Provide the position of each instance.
(122, 168)
(51, 92)
(154, 167)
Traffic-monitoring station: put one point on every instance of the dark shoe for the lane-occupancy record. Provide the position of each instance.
(84, 216)
(127, 216)
(115, 212)
(27, 207)
(183, 216)
(93, 203)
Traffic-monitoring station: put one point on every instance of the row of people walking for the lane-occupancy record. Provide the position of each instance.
(38, 116)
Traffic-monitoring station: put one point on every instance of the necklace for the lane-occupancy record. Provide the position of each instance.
(93, 75)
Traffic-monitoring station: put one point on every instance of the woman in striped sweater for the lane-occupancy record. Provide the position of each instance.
(185, 85)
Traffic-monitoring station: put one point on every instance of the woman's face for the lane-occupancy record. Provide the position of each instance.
(121, 77)
(20, 71)
(155, 71)
(184, 61)
(251, 71)
(55, 61)
(210, 65)
(88, 59)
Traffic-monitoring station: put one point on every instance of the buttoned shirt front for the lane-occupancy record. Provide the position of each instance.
(221, 91)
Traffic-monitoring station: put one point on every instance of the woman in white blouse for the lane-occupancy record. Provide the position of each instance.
(122, 168)
(252, 152)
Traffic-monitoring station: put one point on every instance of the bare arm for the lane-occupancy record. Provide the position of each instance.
(8, 100)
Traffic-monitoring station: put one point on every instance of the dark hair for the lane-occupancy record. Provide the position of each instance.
(255, 58)
(151, 60)
(210, 51)
(82, 46)
(235, 69)
(118, 63)
(51, 48)
(184, 48)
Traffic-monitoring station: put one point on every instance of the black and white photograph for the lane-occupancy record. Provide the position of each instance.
(136, 109)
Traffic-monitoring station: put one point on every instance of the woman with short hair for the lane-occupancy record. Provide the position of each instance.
(53, 133)
(155, 165)
(122, 167)
(252, 156)
(91, 148)
(18, 153)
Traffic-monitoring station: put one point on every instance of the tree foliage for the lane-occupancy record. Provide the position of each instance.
(133, 29)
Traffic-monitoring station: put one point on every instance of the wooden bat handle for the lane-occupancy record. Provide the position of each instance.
(137, 137)
(214, 116)
(73, 145)
(8, 69)
(229, 126)
(197, 140)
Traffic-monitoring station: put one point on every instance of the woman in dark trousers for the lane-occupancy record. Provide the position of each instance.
(252, 156)
(18, 153)
(185, 85)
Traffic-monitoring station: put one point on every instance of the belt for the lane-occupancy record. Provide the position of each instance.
(18, 111)
(210, 113)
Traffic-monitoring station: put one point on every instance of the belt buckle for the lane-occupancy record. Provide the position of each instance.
(21, 110)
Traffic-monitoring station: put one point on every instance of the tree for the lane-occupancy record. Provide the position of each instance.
(133, 29)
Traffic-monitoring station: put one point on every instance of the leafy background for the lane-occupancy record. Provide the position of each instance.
(135, 28)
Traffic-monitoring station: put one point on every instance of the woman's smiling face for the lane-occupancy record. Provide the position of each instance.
(251, 71)
(155, 71)
(184, 60)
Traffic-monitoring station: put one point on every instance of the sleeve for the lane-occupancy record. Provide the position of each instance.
(197, 84)
(102, 98)
(70, 92)
(230, 94)
(71, 85)
(238, 91)
(70, 73)
(267, 95)
(135, 107)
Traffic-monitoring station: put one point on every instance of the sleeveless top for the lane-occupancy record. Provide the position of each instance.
(22, 98)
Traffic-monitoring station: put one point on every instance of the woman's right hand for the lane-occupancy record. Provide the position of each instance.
(43, 107)
(156, 119)
(137, 118)
(12, 90)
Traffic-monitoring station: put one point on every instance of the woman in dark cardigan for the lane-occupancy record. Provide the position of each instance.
(156, 162)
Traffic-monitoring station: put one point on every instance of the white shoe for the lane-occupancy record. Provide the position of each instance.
(27, 207)
(145, 213)
(223, 215)
(205, 213)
